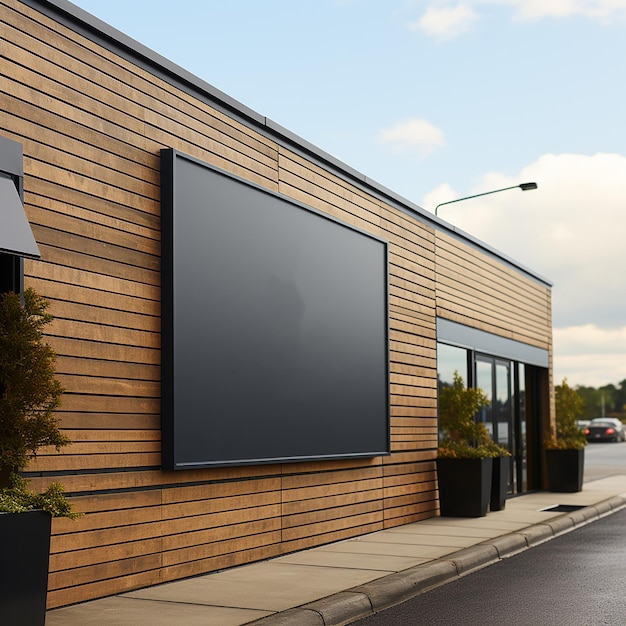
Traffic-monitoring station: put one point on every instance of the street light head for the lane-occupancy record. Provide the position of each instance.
(523, 187)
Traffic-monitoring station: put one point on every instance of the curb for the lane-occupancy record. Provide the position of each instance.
(359, 602)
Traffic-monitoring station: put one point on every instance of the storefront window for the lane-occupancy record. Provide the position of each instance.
(512, 415)
(450, 359)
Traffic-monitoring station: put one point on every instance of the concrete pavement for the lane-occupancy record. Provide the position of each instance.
(338, 583)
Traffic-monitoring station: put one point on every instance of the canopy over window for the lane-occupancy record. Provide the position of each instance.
(16, 236)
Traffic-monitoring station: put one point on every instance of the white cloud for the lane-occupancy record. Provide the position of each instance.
(414, 135)
(571, 231)
(445, 22)
(589, 355)
(605, 341)
(538, 9)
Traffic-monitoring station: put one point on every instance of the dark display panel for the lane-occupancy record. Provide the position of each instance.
(275, 327)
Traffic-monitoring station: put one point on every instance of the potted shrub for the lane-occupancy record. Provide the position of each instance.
(565, 448)
(466, 452)
(29, 394)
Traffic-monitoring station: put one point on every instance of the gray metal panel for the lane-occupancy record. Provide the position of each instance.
(481, 341)
(16, 237)
(11, 157)
(275, 331)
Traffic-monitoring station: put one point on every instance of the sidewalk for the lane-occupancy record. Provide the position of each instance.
(344, 581)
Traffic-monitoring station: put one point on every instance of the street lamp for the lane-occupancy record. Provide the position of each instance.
(522, 186)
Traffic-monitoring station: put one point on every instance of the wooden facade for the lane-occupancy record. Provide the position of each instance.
(480, 292)
(92, 123)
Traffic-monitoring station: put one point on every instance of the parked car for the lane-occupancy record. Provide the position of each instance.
(605, 429)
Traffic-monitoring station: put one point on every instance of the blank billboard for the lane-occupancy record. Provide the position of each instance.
(275, 326)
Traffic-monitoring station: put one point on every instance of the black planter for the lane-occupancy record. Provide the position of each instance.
(500, 477)
(25, 549)
(565, 470)
(464, 487)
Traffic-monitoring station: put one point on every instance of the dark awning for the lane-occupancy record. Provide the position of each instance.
(16, 237)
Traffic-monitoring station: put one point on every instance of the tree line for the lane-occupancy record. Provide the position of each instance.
(606, 401)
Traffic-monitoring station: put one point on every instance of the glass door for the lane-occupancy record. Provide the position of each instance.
(493, 376)
(484, 381)
(504, 418)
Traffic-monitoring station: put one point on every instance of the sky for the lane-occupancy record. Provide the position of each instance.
(439, 100)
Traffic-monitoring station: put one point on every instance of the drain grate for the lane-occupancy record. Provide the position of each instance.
(563, 508)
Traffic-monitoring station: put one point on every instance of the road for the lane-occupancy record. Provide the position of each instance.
(575, 580)
(604, 459)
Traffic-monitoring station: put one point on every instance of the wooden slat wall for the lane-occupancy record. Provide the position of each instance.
(92, 125)
(478, 291)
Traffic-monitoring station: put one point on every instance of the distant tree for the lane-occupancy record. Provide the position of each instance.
(592, 401)
(611, 397)
(620, 398)
(607, 399)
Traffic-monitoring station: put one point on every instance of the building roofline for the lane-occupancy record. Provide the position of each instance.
(116, 41)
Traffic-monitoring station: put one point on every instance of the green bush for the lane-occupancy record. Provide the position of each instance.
(29, 395)
(17, 499)
(569, 406)
(463, 436)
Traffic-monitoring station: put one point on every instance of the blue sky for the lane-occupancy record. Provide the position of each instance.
(439, 100)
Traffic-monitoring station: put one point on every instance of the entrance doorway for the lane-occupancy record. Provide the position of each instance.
(518, 405)
(503, 382)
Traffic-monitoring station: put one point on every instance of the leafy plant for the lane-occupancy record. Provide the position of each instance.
(17, 499)
(463, 436)
(569, 406)
(29, 394)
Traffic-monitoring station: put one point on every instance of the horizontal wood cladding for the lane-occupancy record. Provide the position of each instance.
(92, 125)
(186, 528)
(476, 290)
(110, 97)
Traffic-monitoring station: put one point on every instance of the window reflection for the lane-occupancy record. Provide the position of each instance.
(450, 359)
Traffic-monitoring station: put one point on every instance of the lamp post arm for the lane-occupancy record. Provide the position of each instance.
(486, 193)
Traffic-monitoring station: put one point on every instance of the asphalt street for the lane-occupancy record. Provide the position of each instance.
(604, 459)
(576, 579)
